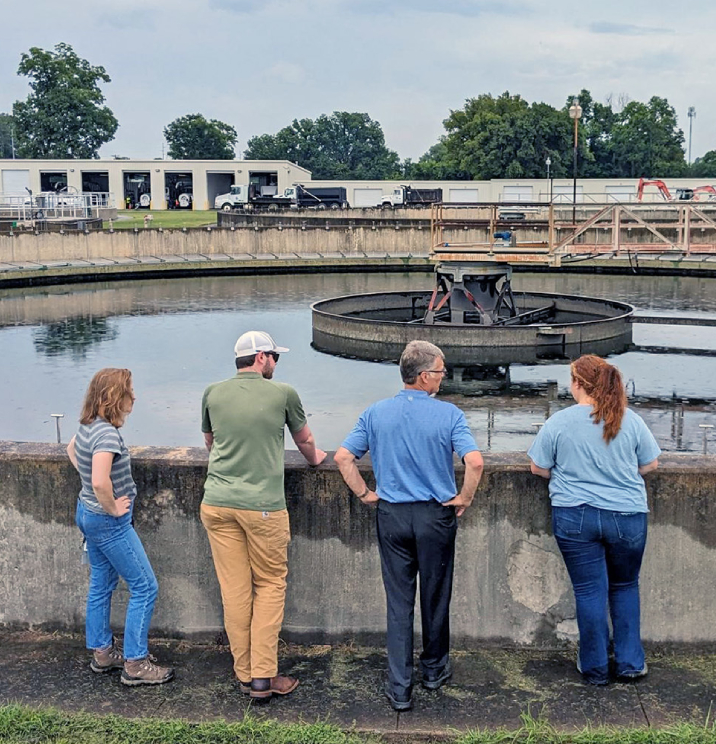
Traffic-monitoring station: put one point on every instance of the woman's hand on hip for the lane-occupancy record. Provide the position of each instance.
(122, 505)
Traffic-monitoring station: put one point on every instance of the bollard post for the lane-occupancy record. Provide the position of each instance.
(706, 428)
(57, 417)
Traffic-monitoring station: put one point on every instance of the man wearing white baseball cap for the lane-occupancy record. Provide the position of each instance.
(244, 506)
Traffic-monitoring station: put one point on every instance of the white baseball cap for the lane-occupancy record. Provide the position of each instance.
(252, 342)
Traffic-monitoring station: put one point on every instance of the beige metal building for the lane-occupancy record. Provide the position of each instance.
(187, 184)
(150, 184)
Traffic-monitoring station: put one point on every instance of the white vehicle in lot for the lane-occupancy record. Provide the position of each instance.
(253, 196)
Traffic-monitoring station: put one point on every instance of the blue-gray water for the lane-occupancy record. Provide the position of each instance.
(177, 337)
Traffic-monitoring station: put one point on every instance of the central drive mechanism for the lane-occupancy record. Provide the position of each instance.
(474, 293)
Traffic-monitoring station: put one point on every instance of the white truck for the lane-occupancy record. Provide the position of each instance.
(253, 196)
(406, 196)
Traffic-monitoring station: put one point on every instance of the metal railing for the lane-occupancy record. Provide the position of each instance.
(52, 205)
(535, 232)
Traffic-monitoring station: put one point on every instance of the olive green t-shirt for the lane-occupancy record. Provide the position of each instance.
(247, 415)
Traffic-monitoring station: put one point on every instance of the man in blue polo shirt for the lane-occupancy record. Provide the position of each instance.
(411, 438)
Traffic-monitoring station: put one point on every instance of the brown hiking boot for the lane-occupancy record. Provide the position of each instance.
(106, 659)
(263, 688)
(145, 672)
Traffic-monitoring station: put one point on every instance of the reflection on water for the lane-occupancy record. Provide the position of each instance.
(73, 336)
(177, 336)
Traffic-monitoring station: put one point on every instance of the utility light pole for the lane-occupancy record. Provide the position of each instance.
(691, 113)
(575, 112)
(548, 163)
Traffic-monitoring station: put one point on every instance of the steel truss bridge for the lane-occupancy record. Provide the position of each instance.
(548, 234)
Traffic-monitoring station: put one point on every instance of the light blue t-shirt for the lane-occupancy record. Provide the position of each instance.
(411, 439)
(587, 470)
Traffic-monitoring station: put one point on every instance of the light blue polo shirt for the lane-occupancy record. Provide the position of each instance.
(587, 470)
(411, 439)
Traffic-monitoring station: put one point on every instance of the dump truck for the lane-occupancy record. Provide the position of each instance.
(406, 196)
(252, 196)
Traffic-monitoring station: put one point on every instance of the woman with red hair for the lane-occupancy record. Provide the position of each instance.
(104, 516)
(594, 454)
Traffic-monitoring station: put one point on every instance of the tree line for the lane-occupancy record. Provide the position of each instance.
(504, 136)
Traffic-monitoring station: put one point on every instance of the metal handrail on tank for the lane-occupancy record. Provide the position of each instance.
(539, 233)
(54, 205)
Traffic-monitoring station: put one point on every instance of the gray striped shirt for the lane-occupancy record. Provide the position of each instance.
(101, 436)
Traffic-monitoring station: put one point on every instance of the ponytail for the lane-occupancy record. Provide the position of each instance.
(603, 383)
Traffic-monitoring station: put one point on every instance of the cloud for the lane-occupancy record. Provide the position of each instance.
(626, 29)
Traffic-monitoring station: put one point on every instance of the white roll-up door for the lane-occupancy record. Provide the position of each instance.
(367, 197)
(517, 194)
(464, 196)
(15, 181)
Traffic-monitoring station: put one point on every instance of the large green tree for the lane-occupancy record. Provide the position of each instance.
(192, 137)
(705, 166)
(6, 135)
(646, 142)
(342, 145)
(505, 137)
(64, 115)
(595, 129)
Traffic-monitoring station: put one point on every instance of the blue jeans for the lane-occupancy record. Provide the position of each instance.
(602, 550)
(114, 549)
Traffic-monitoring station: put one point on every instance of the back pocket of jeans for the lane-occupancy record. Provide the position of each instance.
(631, 526)
(567, 520)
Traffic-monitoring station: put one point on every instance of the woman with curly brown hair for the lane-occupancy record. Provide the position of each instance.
(595, 454)
(104, 516)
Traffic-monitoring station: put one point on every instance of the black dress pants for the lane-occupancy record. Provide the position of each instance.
(416, 538)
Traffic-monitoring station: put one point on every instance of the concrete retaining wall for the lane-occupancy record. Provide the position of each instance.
(510, 581)
(388, 235)
(257, 241)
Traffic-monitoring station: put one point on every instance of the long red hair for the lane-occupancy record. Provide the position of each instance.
(603, 383)
(105, 396)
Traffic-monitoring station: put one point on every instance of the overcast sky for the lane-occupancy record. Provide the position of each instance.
(258, 64)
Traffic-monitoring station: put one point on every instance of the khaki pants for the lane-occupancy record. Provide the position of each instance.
(250, 550)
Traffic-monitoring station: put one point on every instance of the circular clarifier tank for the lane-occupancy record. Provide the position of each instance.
(377, 327)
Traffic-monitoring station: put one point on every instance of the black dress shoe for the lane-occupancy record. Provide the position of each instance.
(430, 683)
(399, 702)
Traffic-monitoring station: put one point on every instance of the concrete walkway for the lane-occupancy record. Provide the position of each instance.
(342, 684)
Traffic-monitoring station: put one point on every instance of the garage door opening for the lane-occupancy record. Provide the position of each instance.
(53, 180)
(179, 190)
(216, 184)
(137, 191)
(96, 182)
(266, 181)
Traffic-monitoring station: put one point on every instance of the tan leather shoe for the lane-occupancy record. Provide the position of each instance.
(106, 659)
(145, 672)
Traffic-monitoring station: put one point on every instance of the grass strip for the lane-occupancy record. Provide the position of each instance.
(24, 725)
(171, 219)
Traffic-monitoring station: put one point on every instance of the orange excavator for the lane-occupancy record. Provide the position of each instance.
(684, 194)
